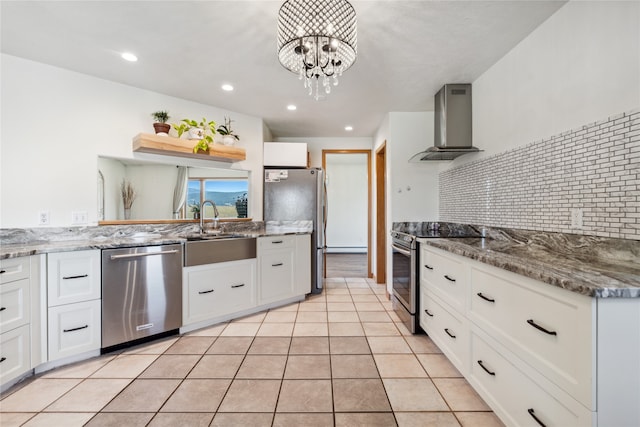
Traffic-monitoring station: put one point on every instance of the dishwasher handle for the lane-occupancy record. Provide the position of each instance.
(144, 254)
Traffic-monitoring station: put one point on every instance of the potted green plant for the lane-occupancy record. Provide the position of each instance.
(160, 122)
(203, 131)
(228, 137)
(195, 208)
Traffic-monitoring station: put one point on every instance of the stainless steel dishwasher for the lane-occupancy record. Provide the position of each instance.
(141, 292)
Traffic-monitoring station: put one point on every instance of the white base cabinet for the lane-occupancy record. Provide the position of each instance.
(537, 354)
(215, 290)
(20, 318)
(74, 329)
(15, 354)
(280, 274)
(74, 303)
(276, 262)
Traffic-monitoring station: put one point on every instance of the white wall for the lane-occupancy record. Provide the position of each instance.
(580, 66)
(413, 187)
(316, 145)
(56, 122)
(347, 190)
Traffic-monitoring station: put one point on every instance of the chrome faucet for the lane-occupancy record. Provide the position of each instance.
(215, 213)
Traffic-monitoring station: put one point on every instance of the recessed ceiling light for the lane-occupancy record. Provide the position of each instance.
(227, 87)
(348, 128)
(128, 56)
(291, 107)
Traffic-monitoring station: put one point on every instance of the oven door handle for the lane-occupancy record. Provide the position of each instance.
(401, 250)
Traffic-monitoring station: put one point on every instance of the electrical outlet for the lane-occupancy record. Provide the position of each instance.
(43, 218)
(576, 218)
(79, 217)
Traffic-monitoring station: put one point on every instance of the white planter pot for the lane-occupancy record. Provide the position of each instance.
(195, 133)
(228, 140)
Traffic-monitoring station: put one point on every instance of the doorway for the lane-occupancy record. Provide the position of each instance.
(348, 232)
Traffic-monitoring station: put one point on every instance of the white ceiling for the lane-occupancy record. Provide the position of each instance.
(406, 51)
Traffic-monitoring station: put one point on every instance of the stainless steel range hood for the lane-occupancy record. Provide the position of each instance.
(452, 136)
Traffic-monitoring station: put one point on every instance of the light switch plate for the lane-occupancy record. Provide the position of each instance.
(79, 217)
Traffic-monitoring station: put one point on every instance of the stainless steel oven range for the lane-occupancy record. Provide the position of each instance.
(406, 290)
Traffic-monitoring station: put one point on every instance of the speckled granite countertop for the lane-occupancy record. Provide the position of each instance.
(16, 243)
(588, 265)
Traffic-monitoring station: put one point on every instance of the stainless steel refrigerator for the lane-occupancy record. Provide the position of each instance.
(298, 195)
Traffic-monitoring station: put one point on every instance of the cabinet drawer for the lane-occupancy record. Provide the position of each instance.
(14, 353)
(216, 291)
(446, 328)
(14, 305)
(549, 328)
(515, 396)
(74, 329)
(13, 269)
(276, 242)
(73, 277)
(444, 276)
(276, 274)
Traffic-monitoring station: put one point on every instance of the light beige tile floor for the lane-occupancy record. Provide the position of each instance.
(337, 359)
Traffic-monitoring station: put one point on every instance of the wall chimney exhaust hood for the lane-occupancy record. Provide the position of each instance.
(452, 136)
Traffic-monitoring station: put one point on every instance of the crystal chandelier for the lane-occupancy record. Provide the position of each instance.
(317, 40)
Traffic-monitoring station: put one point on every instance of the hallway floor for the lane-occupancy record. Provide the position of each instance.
(334, 359)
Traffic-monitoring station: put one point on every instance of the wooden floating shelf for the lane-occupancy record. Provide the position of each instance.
(169, 146)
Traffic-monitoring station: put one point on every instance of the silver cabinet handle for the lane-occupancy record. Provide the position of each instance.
(237, 286)
(123, 256)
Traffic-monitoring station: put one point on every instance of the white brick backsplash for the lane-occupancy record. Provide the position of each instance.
(595, 168)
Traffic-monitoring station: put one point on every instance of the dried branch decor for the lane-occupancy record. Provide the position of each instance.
(128, 194)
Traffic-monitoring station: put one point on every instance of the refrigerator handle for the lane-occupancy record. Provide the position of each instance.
(325, 211)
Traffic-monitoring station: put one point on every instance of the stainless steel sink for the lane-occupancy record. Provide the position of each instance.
(213, 248)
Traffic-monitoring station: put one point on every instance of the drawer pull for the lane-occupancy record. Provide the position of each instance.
(237, 286)
(428, 314)
(82, 276)
(277, 265)
(75, 329)
(3, 271)
(206, 292)
(277, 242)
(485, 298)
(540, 328)
(449, 278)
(485, 368)
(533, 414)
(428, 267)
(3, 359)
(3, 308)
(449, 333)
